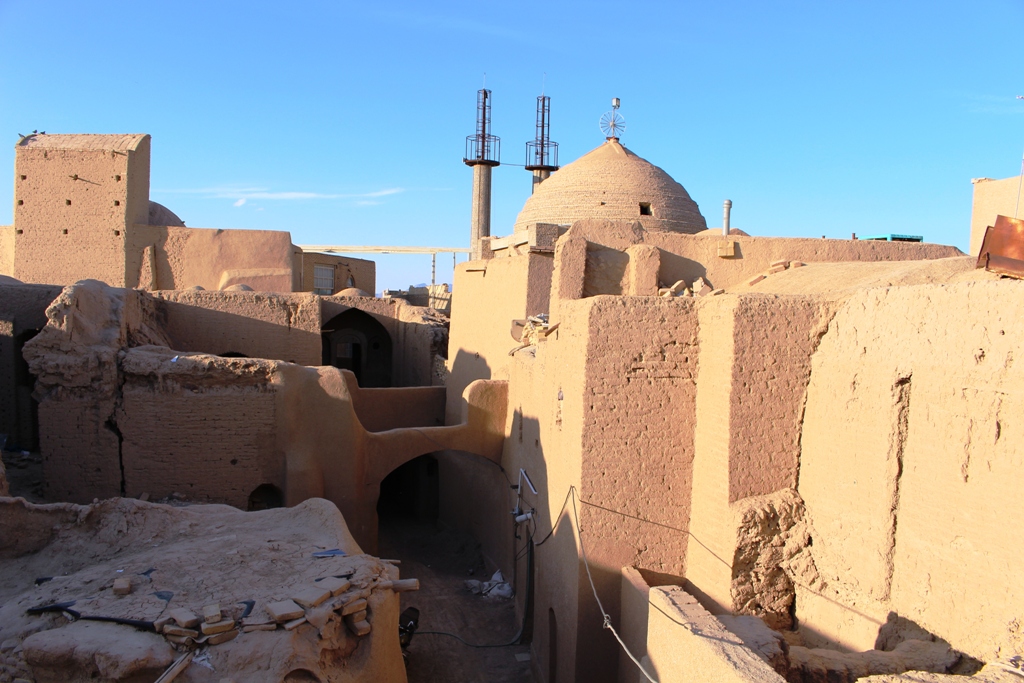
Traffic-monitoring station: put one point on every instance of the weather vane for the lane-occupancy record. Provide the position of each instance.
(612, 123)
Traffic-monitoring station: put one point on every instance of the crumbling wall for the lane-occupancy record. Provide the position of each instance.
(253, 324)
(75, 362)
(911, 454)
(755, 365)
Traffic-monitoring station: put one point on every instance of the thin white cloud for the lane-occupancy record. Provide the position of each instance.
(242, 195)
(367, 202)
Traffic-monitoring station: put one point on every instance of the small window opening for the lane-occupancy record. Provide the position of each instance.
(24, 177)
(68, 202)
(645, 209)
(117, 178)
(117, 233)
(351, 282)
(323, 280)
(20, 202)
(117, 202)
(64, 231)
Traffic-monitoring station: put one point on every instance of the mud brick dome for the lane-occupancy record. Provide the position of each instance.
(614, 183)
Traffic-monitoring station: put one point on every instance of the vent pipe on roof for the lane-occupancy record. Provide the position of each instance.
(726, 210)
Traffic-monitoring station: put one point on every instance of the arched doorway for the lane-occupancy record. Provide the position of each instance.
(411, 491)
(356, 341)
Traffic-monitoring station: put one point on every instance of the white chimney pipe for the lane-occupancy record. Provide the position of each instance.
(726, 210)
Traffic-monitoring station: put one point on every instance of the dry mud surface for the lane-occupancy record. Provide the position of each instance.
(442, 559)
(186, 557)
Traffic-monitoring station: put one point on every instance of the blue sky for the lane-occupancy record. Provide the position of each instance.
(345, 122)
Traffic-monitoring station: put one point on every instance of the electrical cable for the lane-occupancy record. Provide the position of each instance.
(607, 619)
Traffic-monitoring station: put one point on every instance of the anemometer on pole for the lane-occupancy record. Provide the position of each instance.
(612, 124)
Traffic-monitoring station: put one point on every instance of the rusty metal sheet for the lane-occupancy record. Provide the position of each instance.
(1002, 249)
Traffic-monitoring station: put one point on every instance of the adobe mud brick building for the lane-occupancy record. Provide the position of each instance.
(776, 458)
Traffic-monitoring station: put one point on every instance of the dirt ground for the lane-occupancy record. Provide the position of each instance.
(442, 560)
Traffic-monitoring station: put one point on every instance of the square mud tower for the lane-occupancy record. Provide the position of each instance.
(75, 199)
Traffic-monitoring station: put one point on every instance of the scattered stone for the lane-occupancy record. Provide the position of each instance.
(144, 497)
(294, 624)
(335, 586)
(353, 607)
(311, 596)
(224, 637)
(160, 623)
(776, 269)
(285, 610)
(179, 631)
(356, 616)
(679, 286)
(122, 586)
(756, 280)
(782, 263)
(704, 291)
(211, 614)
(360, 628)
(269, 626)
(796, 264)
(218, 627)
(394, 562)
(183, 617)
(664, 291)
(716, 292)
(180, 640)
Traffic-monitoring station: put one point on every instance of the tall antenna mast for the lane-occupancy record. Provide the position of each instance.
(542, 153)
(483, 152)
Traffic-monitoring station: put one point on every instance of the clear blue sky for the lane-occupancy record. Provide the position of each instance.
(345, 122)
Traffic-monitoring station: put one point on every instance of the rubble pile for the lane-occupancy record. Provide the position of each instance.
(128, 590)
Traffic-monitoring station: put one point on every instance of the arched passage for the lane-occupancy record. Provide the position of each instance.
(411, 491)
(356, 341)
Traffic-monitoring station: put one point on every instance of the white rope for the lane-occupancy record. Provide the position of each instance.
(607, 619)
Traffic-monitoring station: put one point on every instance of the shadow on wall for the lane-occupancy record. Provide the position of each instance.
(193, 328)
(675, 268)
(356, 341)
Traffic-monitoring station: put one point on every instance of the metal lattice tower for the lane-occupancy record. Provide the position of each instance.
(483, 152)
(542, 153)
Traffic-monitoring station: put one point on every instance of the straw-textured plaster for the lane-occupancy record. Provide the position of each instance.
(76, 196)
(911, 458)
(611, 182)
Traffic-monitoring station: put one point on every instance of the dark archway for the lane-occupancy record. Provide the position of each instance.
(233, 354)
(411, 491)
(356, 341)
(26, 434)
(265, 497)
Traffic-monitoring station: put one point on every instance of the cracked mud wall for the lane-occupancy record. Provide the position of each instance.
(911, 463)
(78, 385)
(747, 522)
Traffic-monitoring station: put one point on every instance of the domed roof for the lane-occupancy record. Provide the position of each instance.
(613, 183)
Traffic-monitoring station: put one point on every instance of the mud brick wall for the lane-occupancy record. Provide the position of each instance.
(210, 444)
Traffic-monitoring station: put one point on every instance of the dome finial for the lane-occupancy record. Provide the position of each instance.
(612, 123)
